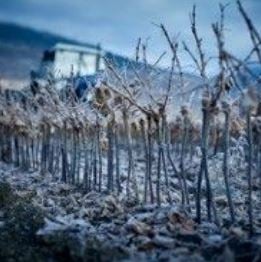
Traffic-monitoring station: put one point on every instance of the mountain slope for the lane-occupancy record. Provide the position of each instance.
(21, 49)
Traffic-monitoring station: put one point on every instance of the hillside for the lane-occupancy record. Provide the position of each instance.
(21, 50)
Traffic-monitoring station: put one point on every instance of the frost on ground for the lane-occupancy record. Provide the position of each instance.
(55, 220)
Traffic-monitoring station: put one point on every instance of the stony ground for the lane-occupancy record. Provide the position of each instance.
(42, 219)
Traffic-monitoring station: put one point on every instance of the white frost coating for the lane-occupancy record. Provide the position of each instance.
(62, 223)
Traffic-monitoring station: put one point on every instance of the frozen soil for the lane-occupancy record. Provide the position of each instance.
(42, 219)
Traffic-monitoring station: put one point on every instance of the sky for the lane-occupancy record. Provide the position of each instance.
(117, 24)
